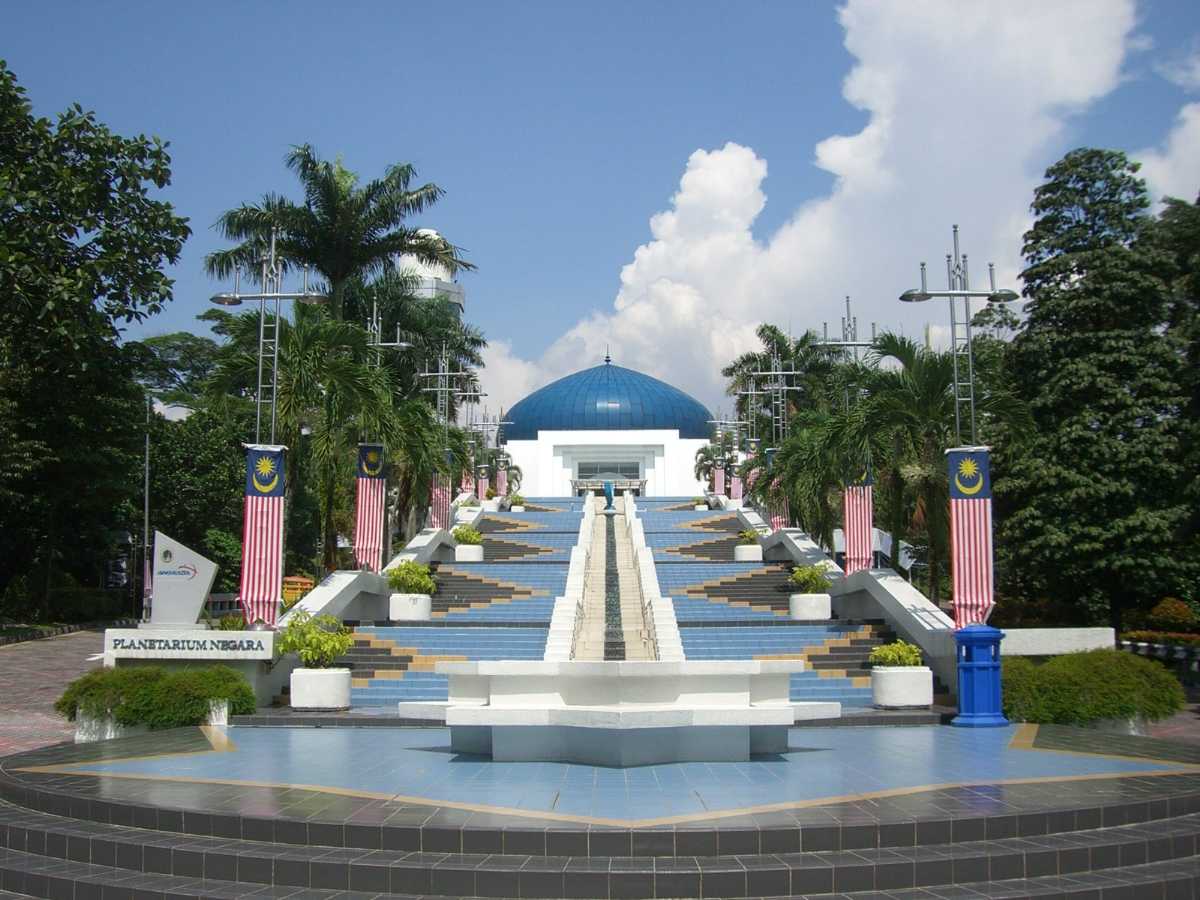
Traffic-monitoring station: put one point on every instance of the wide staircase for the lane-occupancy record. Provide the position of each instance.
(496, 609)
(738, 610)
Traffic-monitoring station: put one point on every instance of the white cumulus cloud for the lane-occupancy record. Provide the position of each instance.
(1174, 170)
(967, 104)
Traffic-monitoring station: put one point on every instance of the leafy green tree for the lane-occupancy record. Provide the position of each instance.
(83, 243)
(175, 366)
(80, 233)
(342, 230)
(1092, 492)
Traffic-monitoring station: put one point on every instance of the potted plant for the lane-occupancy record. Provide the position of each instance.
(413, 588)
(748, 548)
(469, 544)
(811, 600)
(516, 503)
(898, 680)
(699, 504)
(318, 641)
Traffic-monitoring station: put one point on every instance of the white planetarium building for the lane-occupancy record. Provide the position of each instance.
(607, 423)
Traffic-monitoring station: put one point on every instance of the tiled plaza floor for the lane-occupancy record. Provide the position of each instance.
(823, 766)
(32, 676)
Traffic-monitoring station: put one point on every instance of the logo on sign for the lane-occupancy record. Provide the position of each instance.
(187, 570)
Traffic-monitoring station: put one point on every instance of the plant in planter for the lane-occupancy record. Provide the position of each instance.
(318, 641)
(413, 588)
(898, 680)
(810, 598)
(516, 503)
(469, 544)
(109, 703)
(491, 493)
(748, 548)
(699, 503)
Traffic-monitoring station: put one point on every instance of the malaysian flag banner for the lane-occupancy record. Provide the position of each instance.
(262, 534)
(718, 480)
(482, 486)
(466, 485)
(777, 509)
(501, 481)
(439, 501)
(858, 523)
(971, 534)
(369, 505)
(735, 488)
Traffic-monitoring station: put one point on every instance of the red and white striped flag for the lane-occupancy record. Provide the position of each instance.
(858, 524)
(501, 481)
(718, 480)
(439, 502)
(467, 484)
(735, 488)
(482, 487)
(971, 559)
(262, 534)
(778, 510)
(369, 507)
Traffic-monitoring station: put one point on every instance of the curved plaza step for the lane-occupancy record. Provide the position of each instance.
(74, 836)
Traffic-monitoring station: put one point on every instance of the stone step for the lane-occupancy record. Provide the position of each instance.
(104, 856)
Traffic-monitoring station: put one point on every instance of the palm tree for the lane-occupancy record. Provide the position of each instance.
(341, 230)
(911, 411)
(811, 363)
(330, 396)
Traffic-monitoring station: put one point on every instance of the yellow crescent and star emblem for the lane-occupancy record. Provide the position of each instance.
(372, 462)
(265, 476)
(968, 469)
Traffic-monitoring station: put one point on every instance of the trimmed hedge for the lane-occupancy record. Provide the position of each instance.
(1082, 687)
(157, 697)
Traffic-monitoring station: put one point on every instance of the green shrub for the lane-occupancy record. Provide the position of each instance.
(465, 534)
(898, 653)
(232, 622)
(1162, 637)
(469, 502)
(317, 640)
(411, 578)
(491, 493)
(516, 500)
(156, 697)
(1171, 614)
(699, 501)
(810, 579)
(1082, 687)
(749, 536)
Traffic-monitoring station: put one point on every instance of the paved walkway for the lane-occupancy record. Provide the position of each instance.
(1183, 726)
(32, 676)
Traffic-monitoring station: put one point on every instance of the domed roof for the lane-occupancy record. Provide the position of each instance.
(607, 398)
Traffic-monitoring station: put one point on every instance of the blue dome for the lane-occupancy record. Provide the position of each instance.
(607, 398)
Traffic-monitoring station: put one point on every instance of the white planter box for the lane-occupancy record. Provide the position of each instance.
(516, 509)
(902, 687)
(748, 553)
(410, 607)
(809, 607)
(468, 553)
(320, 689)
(700, 506)
(104, 728)
(492, 505)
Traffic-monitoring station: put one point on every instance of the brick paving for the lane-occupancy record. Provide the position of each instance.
(32, 676)
(1183, 726)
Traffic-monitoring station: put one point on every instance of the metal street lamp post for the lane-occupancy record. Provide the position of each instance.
(268, 332)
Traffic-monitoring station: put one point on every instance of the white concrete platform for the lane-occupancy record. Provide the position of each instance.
(621, 713)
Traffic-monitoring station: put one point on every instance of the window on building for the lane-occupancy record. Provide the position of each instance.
(613, 469)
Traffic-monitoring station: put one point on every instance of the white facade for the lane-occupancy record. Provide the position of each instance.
(665, 460)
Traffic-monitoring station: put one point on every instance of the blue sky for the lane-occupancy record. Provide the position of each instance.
(559, 129)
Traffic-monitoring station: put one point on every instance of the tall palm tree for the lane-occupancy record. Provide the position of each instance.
(341, 230)
(811, 363)
(911, 408)
(330, 396)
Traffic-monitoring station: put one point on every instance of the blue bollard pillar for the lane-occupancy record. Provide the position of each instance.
(608, 495)
(979, 703)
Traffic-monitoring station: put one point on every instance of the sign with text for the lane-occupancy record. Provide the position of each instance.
(180, 643)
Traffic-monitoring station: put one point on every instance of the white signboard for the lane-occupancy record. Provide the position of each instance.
(182, 579)
(188, 643)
